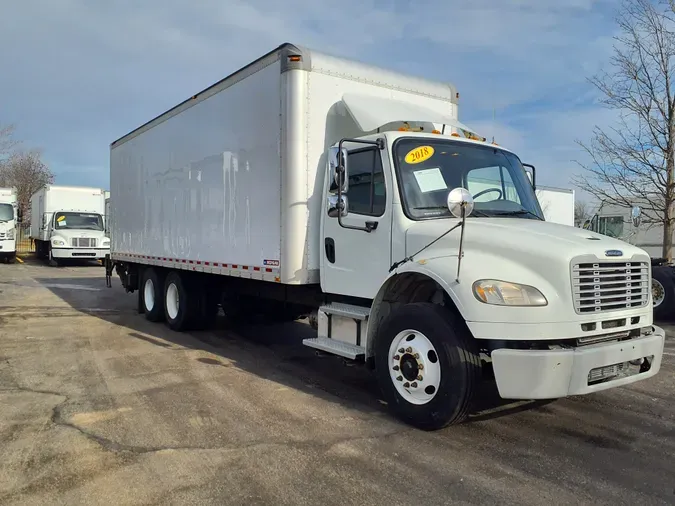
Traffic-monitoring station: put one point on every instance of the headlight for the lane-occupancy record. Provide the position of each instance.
(10, 233)
(58, 242)
(105, 242)
(502, 293)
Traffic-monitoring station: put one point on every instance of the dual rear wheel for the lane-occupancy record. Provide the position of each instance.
(177, 298)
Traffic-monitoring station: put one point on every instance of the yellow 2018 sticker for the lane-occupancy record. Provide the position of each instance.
(419, 154)
(60, 218)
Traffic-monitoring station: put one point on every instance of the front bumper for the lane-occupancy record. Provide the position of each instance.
(7, 247)
(80, 253)
(550, 374)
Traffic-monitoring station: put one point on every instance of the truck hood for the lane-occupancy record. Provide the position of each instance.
(68, 234)
(5, 226)
(531, 252)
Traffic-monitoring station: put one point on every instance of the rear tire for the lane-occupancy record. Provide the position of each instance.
(151, 294)
(181, 304)
(433, 338)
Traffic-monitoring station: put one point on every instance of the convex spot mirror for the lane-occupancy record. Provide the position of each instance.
(337, 176)
(636, 216)
(459, 199)
(335, 209)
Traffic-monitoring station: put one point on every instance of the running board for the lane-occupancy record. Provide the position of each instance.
(340, 348)
(359, 313)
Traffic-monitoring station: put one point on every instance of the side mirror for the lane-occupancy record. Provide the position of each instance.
(459, 199)
(334, 209)
(531, 174)
(338, 169)
(636, 216)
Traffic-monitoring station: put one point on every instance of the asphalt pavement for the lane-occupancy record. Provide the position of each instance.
(99, 406)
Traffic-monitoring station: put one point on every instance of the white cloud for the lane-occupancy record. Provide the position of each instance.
(81, 73)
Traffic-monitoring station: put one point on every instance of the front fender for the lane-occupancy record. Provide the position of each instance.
(417, 268)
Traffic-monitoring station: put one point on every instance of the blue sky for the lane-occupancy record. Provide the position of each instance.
(78, 74)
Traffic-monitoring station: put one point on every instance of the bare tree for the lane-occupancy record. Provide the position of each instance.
(582, 213)
(26, 172)
(633, 162)
(7, 141)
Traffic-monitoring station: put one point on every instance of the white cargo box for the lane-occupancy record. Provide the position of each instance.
(226, 182)
(51, 199)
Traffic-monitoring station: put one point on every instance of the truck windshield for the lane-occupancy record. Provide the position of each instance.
(80, 221)
(6, 212)
(428, 169)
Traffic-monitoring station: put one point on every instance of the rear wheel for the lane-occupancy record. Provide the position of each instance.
(181, 305)
(427, 366)
(151, 295)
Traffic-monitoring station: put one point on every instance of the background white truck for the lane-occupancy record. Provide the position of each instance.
(557, 204)
(619, 221)
(67, 223)
(312, 185)
(8, 224)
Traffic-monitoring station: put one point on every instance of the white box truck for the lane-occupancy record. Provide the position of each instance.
(311, 185)
(67, 223)
(106, 217)
(626, 223)
(557, 204)
(8, 224)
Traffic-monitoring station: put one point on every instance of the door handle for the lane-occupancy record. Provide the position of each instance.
(371, 225)
(330, 249)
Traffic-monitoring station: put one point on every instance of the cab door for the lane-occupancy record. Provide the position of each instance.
(356, 261)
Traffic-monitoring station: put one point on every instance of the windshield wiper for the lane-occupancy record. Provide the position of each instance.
(519, 212)
(473, 213)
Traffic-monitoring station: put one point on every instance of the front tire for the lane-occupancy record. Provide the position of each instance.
(663, 292)
(427, 366)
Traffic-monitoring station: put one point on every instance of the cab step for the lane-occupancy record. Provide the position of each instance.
(346, 311)
(342, 330)
(350, 351)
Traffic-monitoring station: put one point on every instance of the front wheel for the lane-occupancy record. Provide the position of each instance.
(427, 366)
(663, 292)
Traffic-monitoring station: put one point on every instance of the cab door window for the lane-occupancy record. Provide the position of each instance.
(366, 193)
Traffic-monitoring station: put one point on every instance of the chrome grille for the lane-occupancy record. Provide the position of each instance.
(2, 235)
(83, 242)
(610, 286)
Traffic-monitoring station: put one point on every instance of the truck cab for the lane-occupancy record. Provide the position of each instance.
(8, 224)
(76, 235)
(447, 239)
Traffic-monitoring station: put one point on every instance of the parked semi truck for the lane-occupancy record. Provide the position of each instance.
(626, 223)
(8, 224)
(309, 185)
(67, 223)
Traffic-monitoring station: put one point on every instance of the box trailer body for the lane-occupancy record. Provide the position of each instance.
(8, 224)
(309, 185)
(240, 190)
(557, 204)
(67, 222)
